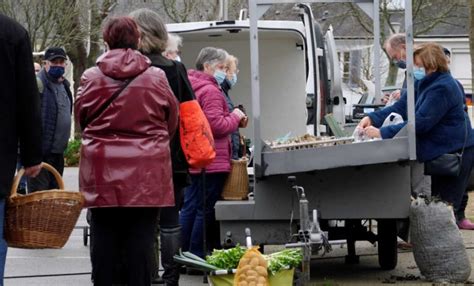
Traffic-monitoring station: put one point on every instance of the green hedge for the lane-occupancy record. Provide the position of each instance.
(72, 153)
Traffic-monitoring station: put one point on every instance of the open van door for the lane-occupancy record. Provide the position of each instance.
(313, 54)
(336, 101)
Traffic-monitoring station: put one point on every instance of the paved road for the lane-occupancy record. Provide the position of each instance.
(71, 265)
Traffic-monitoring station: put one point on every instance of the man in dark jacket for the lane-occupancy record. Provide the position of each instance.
(56, 110)
(19, 114)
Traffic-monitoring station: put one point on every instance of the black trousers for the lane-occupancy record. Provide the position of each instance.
(123, 234)
(453, 189)
(45, 180)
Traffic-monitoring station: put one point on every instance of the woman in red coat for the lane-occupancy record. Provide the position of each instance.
(125, 169)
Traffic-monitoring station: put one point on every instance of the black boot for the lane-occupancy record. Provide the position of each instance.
(170, 239)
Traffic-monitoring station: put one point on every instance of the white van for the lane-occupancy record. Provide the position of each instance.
(349, 183)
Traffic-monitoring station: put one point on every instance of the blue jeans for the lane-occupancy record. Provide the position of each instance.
(191, 216)
(3, 243)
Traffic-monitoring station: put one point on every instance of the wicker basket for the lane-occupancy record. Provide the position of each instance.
(43, 219)
(236, 186)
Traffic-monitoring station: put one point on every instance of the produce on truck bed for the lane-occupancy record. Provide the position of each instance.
(252, 269)
(226, 258)
(285, 259)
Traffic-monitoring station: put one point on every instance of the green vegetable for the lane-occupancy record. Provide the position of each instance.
(226, 258)
(285, 259)
(190, 259)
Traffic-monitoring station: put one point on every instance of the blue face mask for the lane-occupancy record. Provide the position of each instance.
(419, 73)
(233, 80)
(56, 71)
(219, 76)
(401, 64)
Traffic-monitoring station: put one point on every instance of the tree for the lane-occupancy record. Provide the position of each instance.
(427, 15)
(72, 24)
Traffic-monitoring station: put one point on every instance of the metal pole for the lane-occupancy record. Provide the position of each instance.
(255, 87)
(378, 88)
(410, 81)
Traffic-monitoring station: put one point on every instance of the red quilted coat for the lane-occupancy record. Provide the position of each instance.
(125, 155)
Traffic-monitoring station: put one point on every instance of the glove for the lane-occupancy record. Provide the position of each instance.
(239, 113)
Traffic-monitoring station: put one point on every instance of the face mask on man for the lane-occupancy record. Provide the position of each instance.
(219, 75)
(419, 73)
(56, 71)
(178, 59)
(400, 64)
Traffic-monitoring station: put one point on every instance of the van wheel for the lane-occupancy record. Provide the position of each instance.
(387, 243)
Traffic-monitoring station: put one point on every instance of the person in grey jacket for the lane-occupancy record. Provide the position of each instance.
(56, 110)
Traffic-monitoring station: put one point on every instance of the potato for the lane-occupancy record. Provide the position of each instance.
(261, 280)
(261, 284)
(254, 262)
(251, 279)
(242, 277)
(251, 273)
(244, 261)
(243, 283)
(262, 271)
(246, 268)
(262, 261)
(252, 284)
(251, 255)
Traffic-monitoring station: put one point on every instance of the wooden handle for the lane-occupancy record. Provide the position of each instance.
(19, 175)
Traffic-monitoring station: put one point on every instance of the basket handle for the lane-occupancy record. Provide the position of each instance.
(16, 180)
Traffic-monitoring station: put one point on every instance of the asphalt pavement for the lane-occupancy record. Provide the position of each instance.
(71, 265)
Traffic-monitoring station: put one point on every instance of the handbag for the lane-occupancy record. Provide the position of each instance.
(447, 164)
(236, 186)
(195, 133)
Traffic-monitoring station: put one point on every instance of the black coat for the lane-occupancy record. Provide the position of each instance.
(20, 114)
(178, 80)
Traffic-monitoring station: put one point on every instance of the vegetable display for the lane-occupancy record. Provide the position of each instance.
(252, 269)
(285, 259)
(229, 259)
(226, 258)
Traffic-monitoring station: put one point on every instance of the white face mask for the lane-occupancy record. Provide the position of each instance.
(178, 58)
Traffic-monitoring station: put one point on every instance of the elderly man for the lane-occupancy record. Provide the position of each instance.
(56, 110)
(396, 51)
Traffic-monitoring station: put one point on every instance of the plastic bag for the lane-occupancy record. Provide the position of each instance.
(392, 119)
(252, 269)
(359, 135)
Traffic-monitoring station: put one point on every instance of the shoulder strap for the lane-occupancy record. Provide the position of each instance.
(184, 86)
(107, 103)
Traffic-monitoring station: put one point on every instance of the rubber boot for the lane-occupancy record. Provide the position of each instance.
(170, 238)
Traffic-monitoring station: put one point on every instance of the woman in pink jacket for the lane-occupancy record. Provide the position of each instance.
(206, 81)
(125, 171)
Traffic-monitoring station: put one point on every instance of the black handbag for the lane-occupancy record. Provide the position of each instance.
(444, 165)
(447, 164)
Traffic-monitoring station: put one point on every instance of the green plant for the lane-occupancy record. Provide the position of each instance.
(72, 153)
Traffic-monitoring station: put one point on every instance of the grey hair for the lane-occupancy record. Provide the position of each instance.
(153, 34)
(174, 42)
(210, 55)
(396, 40)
